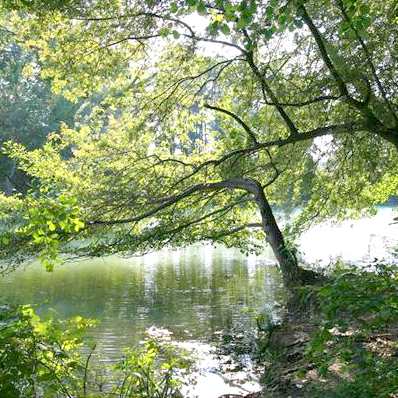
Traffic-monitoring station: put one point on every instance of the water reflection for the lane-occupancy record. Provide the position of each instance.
(195, 293)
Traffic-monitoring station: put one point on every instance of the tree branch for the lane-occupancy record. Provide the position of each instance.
(266, 89)
(219, 213)
(304, 103)
(280, 142)
(368, 60)
(233, 231)
(238, 119)
(322, 49)
(137, 15)
(172, 88)
(236, 183)
(222, 42)
(372, 122)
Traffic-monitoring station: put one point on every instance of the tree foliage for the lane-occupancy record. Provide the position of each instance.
(207, 114)
(29, 110)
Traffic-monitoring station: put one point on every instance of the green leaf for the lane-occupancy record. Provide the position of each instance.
(176, 35)
(366, 22)
(364, 9)
(282, 19)
(225, 29)
(230, 12)
(173, 8)
(6, 241)
(351, 34)
(361, 33)
(243, 22)
(268, 33)
(78, 224)
(163, 32)
(51, 226)
(201, 9)
(344, 27)
(48, 264)
(269, 10)
(326, 292)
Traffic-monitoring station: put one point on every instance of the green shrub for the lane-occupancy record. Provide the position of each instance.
(151, 371)
(43, 358)
(356, 330)
(39, 357)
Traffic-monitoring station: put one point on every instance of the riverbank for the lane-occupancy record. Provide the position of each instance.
(340, 342)
(282, 360)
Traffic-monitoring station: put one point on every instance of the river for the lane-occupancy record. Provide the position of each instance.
(201, 294)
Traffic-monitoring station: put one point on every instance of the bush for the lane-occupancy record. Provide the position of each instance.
(43, 358)
(39, 357)
(355, 342)
(151, 371)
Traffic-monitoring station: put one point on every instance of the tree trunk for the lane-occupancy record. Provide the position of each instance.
(292, 273)
(8, 186)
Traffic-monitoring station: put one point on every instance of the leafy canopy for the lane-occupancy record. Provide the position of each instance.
(288, 96)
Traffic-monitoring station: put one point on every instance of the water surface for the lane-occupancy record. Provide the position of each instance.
(201, 294)
(198, 293)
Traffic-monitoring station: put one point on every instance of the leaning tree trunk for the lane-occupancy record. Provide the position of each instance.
(292, 273)
(286, 259)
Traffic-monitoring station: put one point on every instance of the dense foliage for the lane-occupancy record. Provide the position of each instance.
(194, 118)
(53, 358)
(29, 110)
(340, 341)
(204, 115)
(39, 356)
(354, 339)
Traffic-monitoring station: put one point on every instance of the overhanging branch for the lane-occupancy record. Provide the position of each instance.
(368, 60)
(322, 50)
(372, 123)
(266, 89)
(209, 217)
(279, 142)
(303, 103)
(234, 183)
(233, 231)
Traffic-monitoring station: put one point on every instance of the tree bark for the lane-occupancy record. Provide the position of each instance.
(8, 186)
(286, 259)
(293, 274)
